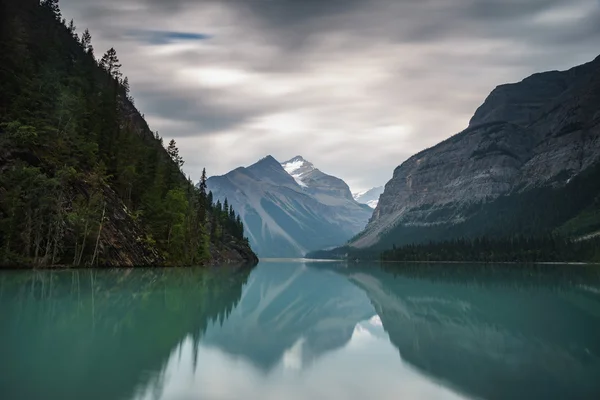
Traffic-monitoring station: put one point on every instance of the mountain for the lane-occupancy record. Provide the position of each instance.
(478, 324)
(369, 197)
(83, 179)
(290, 208)
(292, 313)
(527, 164)
(326, 188)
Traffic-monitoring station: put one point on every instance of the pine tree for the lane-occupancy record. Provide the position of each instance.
(110, 63)
(72, 28)
(125, 85)
(173, 152)
(52, 6)
(86, 42)
(202, 185)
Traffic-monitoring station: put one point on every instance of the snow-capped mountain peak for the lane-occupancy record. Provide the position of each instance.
(369, 197)
(298, 167)
(294, 164)
(290, 208)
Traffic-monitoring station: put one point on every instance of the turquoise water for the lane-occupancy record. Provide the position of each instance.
(298, 330)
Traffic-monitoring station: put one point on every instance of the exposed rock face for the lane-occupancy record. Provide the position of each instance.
(291, 208)
(542, 131)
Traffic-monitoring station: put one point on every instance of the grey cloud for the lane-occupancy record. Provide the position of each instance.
(438, 60)
(202, 110)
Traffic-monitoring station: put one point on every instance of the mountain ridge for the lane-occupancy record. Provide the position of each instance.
(525, 136)
(289, 213)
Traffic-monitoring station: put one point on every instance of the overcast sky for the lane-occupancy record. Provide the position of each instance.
(355, 86)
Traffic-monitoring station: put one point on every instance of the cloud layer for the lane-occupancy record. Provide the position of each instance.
(355, 86)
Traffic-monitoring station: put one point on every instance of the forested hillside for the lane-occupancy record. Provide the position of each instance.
(83, 180)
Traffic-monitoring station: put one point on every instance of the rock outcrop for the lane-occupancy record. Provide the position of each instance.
(541, 132)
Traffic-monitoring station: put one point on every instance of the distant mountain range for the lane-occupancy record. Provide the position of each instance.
(291, 208)
(369, 197)
(527, 164)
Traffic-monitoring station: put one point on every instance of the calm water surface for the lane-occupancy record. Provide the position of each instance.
(299, 330)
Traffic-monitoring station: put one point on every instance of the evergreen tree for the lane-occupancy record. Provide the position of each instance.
(110, 63)
(86, 42)
(72, 28)
(173, 152)
(125, 85)
(53, 7)
(202, 184)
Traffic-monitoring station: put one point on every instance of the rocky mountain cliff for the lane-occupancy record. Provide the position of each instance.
(369, 197)
(526, 164)
(290, 208)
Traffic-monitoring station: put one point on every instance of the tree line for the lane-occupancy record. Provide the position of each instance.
(549, 248)
(73, 147)
(517, 248)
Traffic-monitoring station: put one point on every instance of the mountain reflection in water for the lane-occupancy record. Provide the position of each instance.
(301, 330)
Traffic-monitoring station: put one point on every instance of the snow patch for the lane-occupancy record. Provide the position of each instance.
(298, 180)
(357, 195)
(293, 166)
(373, 203)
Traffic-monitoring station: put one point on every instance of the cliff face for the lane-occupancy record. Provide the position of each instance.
(541, 132)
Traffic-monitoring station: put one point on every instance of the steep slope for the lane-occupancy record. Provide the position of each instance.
(369, 197)
(83, 180)
(286, 214)
(524, 153)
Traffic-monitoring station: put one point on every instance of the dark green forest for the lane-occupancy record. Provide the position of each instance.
(83, 180)
(516, 249)
(548, 248)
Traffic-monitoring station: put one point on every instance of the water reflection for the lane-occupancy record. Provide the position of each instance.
(494, 332)
(99, 334)
(302, 331)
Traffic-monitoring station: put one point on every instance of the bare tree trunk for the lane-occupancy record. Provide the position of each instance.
(28, 234)
(48, 243)
(56, 239)
(99, 233)
(85, 234)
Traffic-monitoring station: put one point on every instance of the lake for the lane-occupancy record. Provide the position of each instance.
(302, 330)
